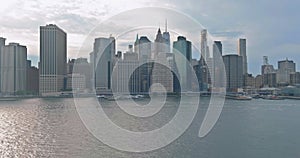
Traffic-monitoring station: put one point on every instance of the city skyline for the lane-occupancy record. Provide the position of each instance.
(259, 30)
(283, 75)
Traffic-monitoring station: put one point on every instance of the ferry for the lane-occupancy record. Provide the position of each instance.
(238, 97)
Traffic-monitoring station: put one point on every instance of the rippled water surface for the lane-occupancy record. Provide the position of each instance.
(52, 128)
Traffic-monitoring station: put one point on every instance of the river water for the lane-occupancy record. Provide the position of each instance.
(249, 129)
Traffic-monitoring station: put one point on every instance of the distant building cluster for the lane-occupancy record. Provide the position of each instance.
(146, 67)
(272, 79)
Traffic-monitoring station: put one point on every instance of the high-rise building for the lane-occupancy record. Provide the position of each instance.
(234, 72)
(269, 79)
(285, 68)
(217, 48)
(268, 74)
(295, 78)
(2, 44)
(53, 58)
(125, 77)
(242, 52)
(81, 69)
(217, 74)
(166, 36)
(182, 49)
(32, 84)
(143, 47)
(266, 67)
(161, 72)
(204, 47)
(104, 53)
(13, 69)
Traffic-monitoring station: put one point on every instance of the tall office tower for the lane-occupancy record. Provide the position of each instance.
(32, 77)
(104, 53)
(166, 36)
(234, 72)
(285, 68)
(204, 47)
(217, 48)
(268, 73)
(13, 69)
(174, 69)
(81, 67)
(143, 48)
(125, 77)
(161, 72)
(53, 58)
(218, 72)
(183, 55)
(243, 53)
(2, 43)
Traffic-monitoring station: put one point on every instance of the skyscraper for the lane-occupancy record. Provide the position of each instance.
(2, 44)
(125, 76)
(217, 48)
(285, 68)
(53, 58)
(234, 72)
(161, 72)
(218, 72)
(268, 73)
(242, 52)
(81, 67)
(183, 47)
(13, 69)
(204, 47)
(32, 77)
(166, 36)
(143, 47)
(104, 52)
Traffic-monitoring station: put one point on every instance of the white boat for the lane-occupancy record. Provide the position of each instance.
(137, 96)
(239, 97)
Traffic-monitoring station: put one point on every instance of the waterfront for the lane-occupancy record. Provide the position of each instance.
(52, 128)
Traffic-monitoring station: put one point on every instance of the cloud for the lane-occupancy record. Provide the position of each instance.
(271, 27)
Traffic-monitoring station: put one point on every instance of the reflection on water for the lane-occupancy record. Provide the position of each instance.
(52, 128)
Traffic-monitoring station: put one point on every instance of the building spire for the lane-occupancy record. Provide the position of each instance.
(166, 26)
(137, 37)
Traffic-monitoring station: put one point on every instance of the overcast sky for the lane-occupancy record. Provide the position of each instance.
(271, 27)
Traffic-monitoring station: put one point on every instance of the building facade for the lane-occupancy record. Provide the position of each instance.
(182, 49)
(32, 76)
(161, 72)
(242, 51)
(53, 58)
(285, 68)
(104, 52)
(13, 69)
(234, 72)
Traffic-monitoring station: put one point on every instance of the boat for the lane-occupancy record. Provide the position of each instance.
(272, 97)
(101, 96)
(239, 97)
(137, 96)
(8, 99)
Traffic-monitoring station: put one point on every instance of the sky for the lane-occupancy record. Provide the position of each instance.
(271, 27)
